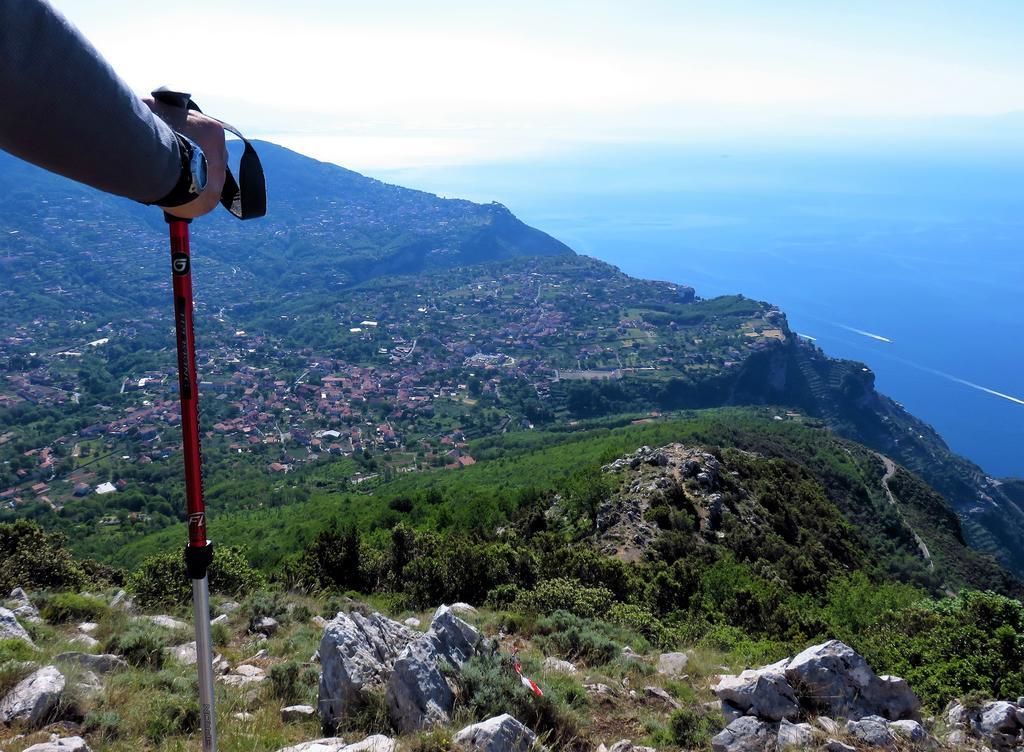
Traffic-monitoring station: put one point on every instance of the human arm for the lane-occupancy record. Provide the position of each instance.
(65, 109)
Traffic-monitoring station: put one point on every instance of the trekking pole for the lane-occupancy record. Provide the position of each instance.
(199, 551)
(246, 199)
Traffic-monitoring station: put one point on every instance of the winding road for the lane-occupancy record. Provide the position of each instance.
(890, 471)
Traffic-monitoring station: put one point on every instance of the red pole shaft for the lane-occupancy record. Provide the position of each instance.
(188, 381)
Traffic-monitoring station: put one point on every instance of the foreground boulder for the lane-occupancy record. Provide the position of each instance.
(35, 700)
(828, 679)
(746, 734)
(10, 629)
(503, 733)
(832, 678)
(418, 694)
(356, 652)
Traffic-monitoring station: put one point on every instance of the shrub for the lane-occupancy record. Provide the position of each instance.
(36, 560)
(574, 638)
(332, 562)
(691, 728)
(951, 648)
(502, 596)
(170, 715)
(292, 681)
(65, 607)
(141, 644)
(265, 603)
(220, 634)
(302, 613)
(566, 595)
(639, 620)
(437, 739)
(161, 580)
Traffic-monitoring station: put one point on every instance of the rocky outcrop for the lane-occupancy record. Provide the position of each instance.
(35, 700)
(824, 680)
(625, 745)
(649, 474)
(356, 652)
(999, 724)
(418, 694)
(243, 676)
(828, 679)
(10, 628)
(872, 731)
(557, 664)
(266, 625)
(502, 733)
(835, 680)
(168, 622)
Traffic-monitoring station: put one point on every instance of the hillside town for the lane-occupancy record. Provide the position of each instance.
(399, 375)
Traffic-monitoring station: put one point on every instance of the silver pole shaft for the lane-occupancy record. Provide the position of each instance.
(204, 662)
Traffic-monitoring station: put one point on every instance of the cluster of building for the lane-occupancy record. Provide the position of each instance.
(406, 374)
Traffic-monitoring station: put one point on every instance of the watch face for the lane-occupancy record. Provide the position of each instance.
(199, 174)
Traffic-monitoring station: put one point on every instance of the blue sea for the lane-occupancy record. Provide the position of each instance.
(908, 261)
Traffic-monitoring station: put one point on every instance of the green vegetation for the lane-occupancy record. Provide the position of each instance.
(808, 548)
(161, 581)
(969, 645)
(61, 608)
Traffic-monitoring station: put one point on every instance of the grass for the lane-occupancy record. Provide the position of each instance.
(151, 707)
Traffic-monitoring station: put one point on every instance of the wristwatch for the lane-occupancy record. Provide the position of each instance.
(192, 180)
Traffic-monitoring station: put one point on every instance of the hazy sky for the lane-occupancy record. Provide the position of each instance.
(398, 84)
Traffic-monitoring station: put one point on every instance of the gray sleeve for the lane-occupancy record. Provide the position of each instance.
(63, 108)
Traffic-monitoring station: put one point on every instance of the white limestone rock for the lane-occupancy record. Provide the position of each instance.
(56, 744)
(794, 735)
(673, 665)
(11, 629)
(834, 677)
(356, 652)
(297, 713)
(417, 692)
(746, 734)
(502, 733)
(168, 622)
(35, 699)
(762, 692)
(563, 667)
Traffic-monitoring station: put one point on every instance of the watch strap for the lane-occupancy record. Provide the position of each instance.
(182, 191)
